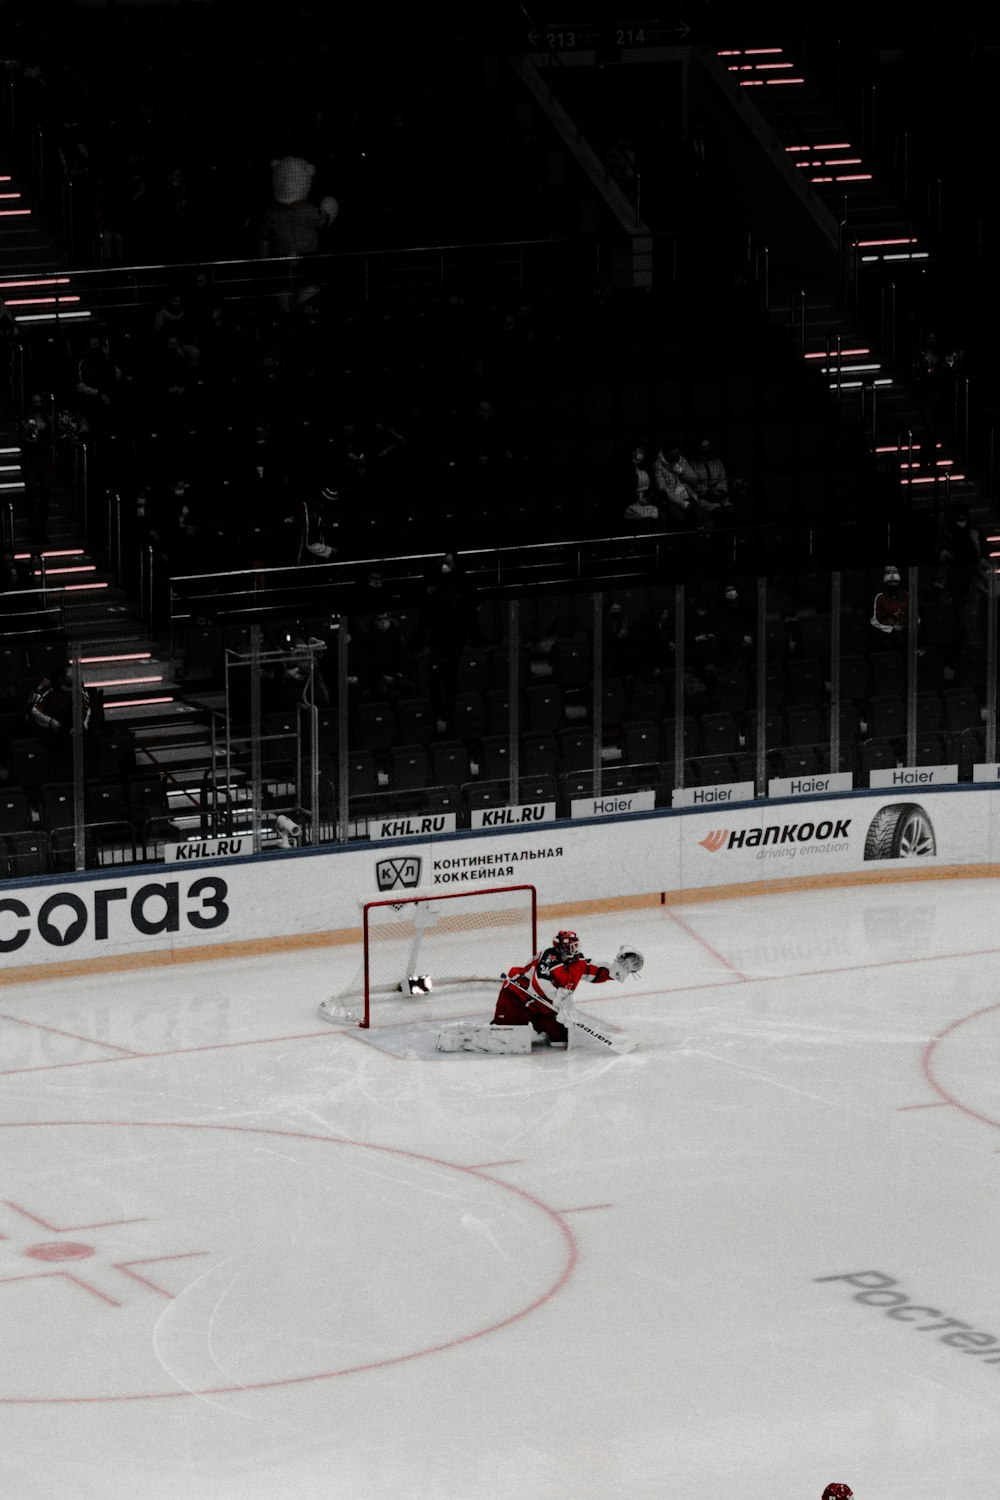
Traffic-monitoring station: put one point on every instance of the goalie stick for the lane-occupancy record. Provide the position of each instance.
(571, 1017)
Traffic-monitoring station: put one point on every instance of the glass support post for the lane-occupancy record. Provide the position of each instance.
(679, 624)
(256, 778)
(761, 705)
(911, 668)
(598, 688)
(835, 602)
(513, 692)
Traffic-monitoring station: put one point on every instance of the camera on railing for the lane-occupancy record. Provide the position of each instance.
(289, 832)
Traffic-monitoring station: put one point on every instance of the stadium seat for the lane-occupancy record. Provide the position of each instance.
(712, 770)
(647, 700)
(105, 802)
(729, 692)
(576, 750)
(887, 674)
(449, 763)
(930, 713)
(887, 718)
(719, 735)
(543, 708)
(804, 726)
(494, 760)
(930, 749)
(416, 722)
(28, 763)
(15, 813)
(409, 768)
(468, 715)
(806, 681)
(961, 709)
(692, 739)
(641, 741)
(56, 806)
(875, 755)
(800, 760)
(23, 854)
(539, 754)
(477, 794)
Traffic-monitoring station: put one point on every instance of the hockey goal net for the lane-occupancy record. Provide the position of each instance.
(423, 943)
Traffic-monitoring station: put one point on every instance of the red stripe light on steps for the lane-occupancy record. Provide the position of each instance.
(38, 301)
(93, 661)
(844, 353)
(823, 146)
(78, 587)
(42, 281)
(900, 448)
(14, 213)
(124, 682)
(67, 552)
(903, 240)
(52, 572)
(137, 702)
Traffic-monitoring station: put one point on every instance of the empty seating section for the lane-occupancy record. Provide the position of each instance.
(451, 748)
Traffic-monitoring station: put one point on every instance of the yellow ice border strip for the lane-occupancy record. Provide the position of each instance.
(341, 937)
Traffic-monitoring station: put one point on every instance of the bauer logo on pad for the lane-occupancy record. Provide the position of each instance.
(393, 874)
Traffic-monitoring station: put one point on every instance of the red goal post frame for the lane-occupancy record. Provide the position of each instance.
(414, 898)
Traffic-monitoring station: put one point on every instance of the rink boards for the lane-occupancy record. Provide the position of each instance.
(154, 914)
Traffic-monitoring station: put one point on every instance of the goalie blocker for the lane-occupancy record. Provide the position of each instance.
(537, 997)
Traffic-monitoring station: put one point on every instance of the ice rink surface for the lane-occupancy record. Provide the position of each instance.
(248, 1256)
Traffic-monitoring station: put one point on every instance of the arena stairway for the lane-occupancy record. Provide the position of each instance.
(880, 237)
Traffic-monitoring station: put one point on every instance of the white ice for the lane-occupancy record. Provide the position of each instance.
(245, 1255)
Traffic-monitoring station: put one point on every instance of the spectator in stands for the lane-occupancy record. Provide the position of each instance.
(174, 318)
(10, 337)
(169, 373)
(50, 714)
(292, 225)
(891, 610)
(735, 628)
(711, 483)
(655, 647)
(959, 553)
(676, 497)
(97, 379)
(619, 642)
(383, 661)
(642, 508)
(38, 464)
(704, 654)
(307, 521)
(182, 528)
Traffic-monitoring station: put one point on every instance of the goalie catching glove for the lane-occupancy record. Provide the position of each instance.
(627, 961)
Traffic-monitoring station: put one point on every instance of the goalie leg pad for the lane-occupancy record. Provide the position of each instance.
(471, 1036)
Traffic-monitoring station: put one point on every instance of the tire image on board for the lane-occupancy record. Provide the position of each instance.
(901, 830)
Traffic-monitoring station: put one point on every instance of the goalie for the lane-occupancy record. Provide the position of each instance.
(538, 994)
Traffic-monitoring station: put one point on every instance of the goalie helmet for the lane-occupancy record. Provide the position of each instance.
(838, 1492)
(566, 943)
